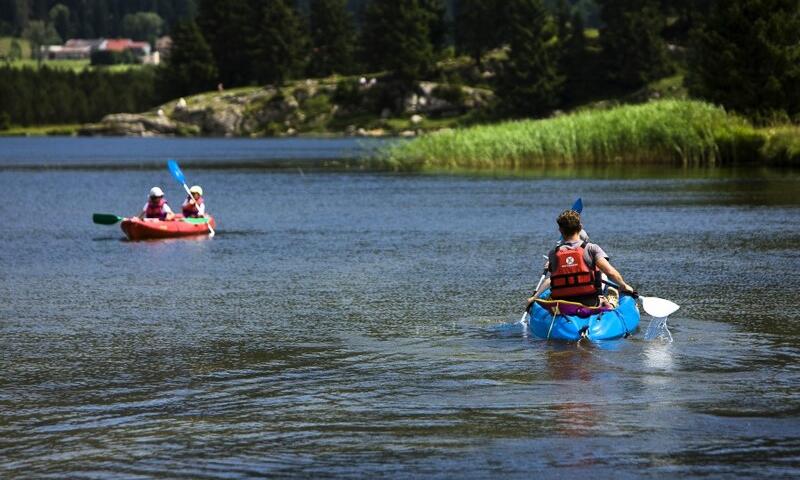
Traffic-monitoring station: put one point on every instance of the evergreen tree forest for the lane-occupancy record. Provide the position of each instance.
(537, 55)
(46, 96)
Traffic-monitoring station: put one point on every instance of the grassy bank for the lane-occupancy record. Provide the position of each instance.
(41, 130)
(674, 132)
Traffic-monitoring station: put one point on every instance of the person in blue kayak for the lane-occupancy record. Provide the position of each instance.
(156, 207)
(575, 266)
(194, 206)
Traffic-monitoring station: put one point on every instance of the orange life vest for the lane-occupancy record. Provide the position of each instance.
(571, 276)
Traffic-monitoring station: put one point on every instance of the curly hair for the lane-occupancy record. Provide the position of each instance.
(569, 222)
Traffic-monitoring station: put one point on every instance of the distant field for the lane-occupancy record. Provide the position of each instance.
(27, 61)
(75, 65)
(5, 46)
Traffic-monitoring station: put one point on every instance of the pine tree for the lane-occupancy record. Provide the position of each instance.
(39, 34)
(333, 38)
(438, 28)
(530, 83)
(747, 57)
(563, 12)
(396, 37)
(190, 65)
(228, 27)
(575, 63)
(479, 27)
(633, 51)
(281, 43)
(59, 17)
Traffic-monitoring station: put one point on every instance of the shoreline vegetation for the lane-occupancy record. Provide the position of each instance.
(687, 133)
(671, 132)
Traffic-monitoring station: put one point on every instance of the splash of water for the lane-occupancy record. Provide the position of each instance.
(658, 329)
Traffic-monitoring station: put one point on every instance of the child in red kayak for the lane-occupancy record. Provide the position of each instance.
(193, 206)
(156, 207)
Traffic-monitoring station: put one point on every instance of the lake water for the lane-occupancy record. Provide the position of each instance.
(362, 324)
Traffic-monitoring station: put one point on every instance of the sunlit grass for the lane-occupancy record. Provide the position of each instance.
(681, 132)
(5, 46)
(74, 65)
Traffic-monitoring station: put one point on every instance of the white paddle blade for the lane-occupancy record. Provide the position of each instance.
(524, 318)
(658, 307)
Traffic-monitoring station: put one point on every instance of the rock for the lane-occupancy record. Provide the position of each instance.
(291, 102)
(291, 132)
(408, 133)
(181, 104)
(411, 103)
(377, 132)
(415, 119)
(305, 92)
(132, 125)
(224, 121)
(298, 116)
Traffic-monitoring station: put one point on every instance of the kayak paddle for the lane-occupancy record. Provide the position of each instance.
(177, 174)
(578, 207)
(106, 218)
(654, 306)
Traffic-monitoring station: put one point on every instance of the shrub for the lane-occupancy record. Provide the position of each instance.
(347, 93)
(452, 94)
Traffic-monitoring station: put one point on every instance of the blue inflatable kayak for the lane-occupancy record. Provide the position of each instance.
(560, 320)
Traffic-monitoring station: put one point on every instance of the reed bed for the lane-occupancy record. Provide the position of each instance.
(678, 132)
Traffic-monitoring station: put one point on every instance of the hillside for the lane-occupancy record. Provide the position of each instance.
(332, 106)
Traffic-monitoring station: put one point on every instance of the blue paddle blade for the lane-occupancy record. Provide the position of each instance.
(175, 170)
(578, 205)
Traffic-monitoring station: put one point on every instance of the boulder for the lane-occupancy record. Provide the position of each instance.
(132, 125)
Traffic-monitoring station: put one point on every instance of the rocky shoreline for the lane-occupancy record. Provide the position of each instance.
(354, 107)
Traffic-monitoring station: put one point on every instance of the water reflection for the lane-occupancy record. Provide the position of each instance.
(570, 369)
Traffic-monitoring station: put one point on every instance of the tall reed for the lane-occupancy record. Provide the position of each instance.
(682, 132)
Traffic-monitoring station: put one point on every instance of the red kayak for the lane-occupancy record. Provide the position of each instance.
(136, 229)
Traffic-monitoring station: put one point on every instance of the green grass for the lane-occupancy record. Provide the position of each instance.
(74, 65)
(5, 46)
(41, 130)
(677, 132)
(782, 147)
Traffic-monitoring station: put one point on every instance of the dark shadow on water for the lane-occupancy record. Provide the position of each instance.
(220, 235)
(109, 239)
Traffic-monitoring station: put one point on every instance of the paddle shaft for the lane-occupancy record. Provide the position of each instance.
(177, 174)
(657, 307)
